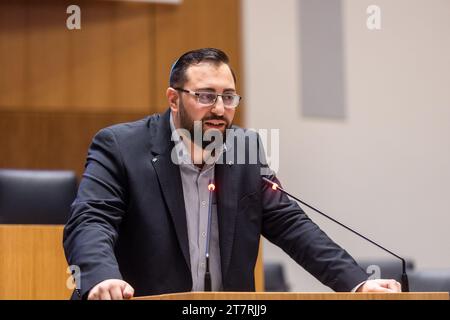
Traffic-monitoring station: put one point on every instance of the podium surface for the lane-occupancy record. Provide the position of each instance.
(298, 296)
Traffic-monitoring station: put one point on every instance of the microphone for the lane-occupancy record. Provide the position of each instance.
(211, 188)
(404, 279)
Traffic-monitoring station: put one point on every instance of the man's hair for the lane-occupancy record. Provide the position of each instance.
(178, 72)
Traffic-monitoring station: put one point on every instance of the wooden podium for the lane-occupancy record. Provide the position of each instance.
(298, 296)
(33, 266)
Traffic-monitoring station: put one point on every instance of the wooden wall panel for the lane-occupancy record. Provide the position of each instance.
(13, 54)
(113, 56)
(118, 63)
(104, 67)
(48, 57)
(49, 140)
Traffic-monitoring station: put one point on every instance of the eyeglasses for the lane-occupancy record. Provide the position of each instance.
(208, 99)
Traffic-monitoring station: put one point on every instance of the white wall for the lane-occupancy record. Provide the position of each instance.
(385, 169)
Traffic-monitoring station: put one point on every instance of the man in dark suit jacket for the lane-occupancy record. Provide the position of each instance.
(136, 224)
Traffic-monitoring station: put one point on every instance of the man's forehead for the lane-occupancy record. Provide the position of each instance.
(208, 68)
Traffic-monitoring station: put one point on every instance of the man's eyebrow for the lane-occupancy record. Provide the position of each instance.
(228, 90)
(206, 89)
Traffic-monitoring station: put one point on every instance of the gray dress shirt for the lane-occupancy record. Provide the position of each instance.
(196, 200)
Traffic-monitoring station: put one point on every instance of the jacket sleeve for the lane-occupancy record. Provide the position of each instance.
(92, 229)
(287, 226)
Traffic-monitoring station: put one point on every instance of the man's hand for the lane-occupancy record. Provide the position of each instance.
(112, 289)
(380, 285)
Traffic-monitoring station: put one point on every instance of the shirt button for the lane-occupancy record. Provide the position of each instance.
(202, 265)
(203, 234)
(203, 203)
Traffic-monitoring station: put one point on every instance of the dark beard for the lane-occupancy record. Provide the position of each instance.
(187, 123)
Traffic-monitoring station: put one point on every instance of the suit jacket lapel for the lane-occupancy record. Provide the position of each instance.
(169, 179)
(227, 202)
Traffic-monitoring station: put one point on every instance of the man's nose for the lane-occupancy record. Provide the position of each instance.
(218, 107)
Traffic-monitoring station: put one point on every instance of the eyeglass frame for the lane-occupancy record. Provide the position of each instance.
(197, 94)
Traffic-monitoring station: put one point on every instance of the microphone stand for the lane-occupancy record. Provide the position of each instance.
(211, 188)
(404, 279)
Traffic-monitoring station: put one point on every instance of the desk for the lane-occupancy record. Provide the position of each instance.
(32, 262)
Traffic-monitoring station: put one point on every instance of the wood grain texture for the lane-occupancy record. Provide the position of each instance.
(298, 296)
(104, 67)
(32, 263)
(48, 140)
(119, 60)
(112, 67)
(259, 269)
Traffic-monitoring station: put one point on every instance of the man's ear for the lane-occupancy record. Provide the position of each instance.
(172, 98)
